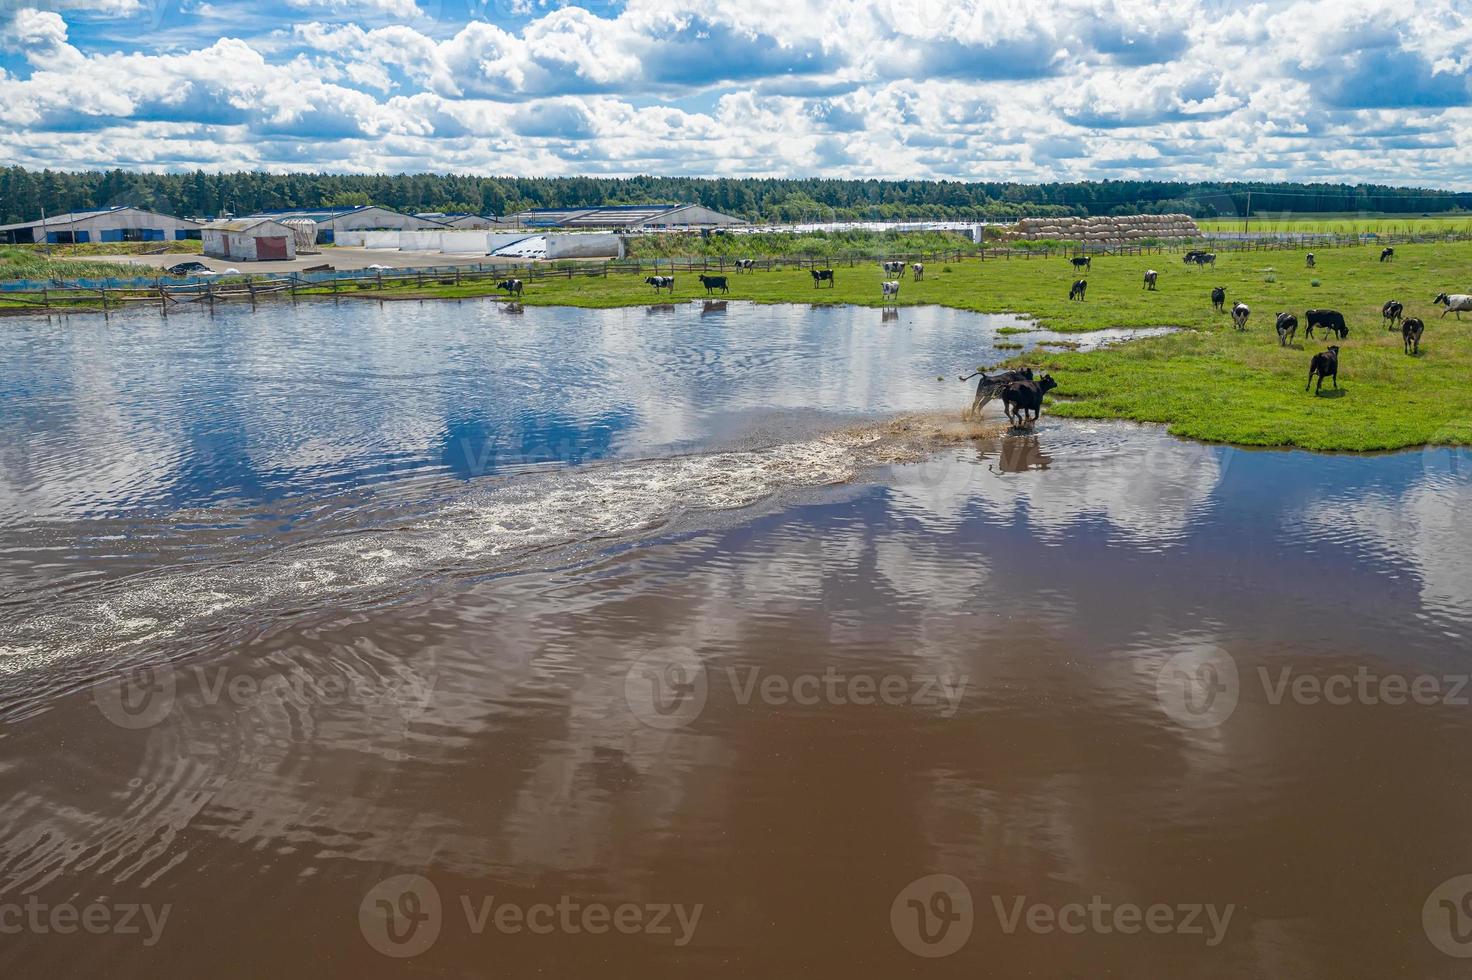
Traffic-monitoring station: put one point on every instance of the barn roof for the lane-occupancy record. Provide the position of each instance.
(72, 217)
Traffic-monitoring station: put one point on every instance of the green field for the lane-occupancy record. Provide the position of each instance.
(1207, 382)
(1343, 224)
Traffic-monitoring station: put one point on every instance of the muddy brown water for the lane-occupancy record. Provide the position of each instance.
(809, 692)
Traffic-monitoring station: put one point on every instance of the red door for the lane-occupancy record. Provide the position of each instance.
(271, 248)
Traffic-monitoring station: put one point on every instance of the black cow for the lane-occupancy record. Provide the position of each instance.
(1410, 334)
(1387, 254)
(990, 386)
(712, 283)
(661, 282)
(1310, 259)
(1332, 321)
(1021, 397)
(1287, 328)
(823, 275)
(1392, 311)
(1083, 262)
(1080, 286)
(1219, 298)
(511, 286)
(1325, 365)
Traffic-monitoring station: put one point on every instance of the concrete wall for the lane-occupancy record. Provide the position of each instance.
(586, 246)
(463, 242)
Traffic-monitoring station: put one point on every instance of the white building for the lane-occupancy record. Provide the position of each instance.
(249, 240)
(121, 224)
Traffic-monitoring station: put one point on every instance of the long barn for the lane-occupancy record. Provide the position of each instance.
(121, 224)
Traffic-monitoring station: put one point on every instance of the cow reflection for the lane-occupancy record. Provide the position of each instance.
(1018, 454)
(659, 308)
(889, 314)
(511, 308)
(713, 306)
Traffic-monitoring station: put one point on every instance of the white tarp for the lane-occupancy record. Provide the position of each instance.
(584, 247)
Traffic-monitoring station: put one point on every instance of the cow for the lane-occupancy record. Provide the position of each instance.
(890, 289)
(823, 275)
(745, 265)
(1411, 329)
(1457, 303)
(1218, 298)
(1392, 311)
(661, 282)
(891, 268)
(917, 271)
(512, 287)
(712, 283)
(1021, 397)
(1190, 256)
(1201, 259)
(1332, 321)
(1240, 313)
(1082, 262)
(1325, 365)
(1386, 254)
(990, 386)
(1150, 276)
(1287, 328)
(1080, 286)
(1309, 259)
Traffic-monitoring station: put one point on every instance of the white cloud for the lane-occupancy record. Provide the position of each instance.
(972, 89)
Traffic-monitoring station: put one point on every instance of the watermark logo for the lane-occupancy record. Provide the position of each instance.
(38, 918)
(141, 698)
(933, 916)
(1447, 917)
(667, 690)
(144, 697)
(401, 916)
(1199, 688)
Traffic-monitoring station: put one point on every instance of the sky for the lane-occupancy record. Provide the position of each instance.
(1333, 90)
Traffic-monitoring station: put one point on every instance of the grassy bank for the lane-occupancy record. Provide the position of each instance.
(1208, 382)
(27, 262)
(1344, 224)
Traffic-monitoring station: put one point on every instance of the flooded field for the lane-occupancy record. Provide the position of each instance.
(440, 640)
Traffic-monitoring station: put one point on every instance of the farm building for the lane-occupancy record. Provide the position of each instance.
(249, 240)
(121, 224)
(465, 222)
(330, 221)
(627, 217)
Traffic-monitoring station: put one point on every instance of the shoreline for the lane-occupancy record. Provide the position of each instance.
(1206, 381)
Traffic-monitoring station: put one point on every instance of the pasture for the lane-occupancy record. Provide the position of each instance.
(1344, 224)
(1210, 381)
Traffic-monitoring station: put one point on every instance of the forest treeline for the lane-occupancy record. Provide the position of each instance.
(24, 193)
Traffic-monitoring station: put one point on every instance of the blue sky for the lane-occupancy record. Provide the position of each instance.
(963, 89)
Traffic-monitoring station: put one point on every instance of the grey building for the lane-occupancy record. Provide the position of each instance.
(626, 217)
(121, 224)
(371, 217)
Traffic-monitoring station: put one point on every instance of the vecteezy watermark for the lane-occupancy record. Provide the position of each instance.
(38, 918)
(934, 916)
(670, 690)
(1447, 917)
(1199, 687)
(143, 697)
(403, 916)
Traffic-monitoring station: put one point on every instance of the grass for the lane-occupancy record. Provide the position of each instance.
(24, 262)
(1343, 224)
(774, 244)
(1208, 381)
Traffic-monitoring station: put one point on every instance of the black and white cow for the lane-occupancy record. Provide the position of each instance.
(1411, 329)
(1457, 303)
(1287, 328)
(822, 276)
(917, 271)
(1392, 311)
(1080, 286)
(1083, 262)
(1150, 277)
(513, 287)
(1240, 313)
(1386, 254)
(661, 282)
(890, 289)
